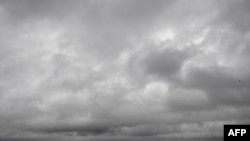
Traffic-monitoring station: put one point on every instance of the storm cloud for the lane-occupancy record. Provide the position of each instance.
(123, 69)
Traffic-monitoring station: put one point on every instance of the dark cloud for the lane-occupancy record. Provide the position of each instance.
(164, 63)
(20, 11)
(234, 14)
(221, 84)
(128, 70)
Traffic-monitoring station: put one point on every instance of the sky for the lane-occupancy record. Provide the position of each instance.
(123, 69)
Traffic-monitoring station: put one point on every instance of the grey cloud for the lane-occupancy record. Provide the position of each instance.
(140, 11)
(112, 26)
(220, 84)
(206, 77)
(235, 15)
(81, 69)
(185, 99)
(165, 63)
(82, 131)
(19, 11)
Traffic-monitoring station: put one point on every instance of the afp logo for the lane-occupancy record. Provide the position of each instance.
(236, 132)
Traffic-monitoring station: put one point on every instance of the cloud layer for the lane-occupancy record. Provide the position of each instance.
(123, 69)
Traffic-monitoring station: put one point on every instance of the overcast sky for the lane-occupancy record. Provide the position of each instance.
(113, 69)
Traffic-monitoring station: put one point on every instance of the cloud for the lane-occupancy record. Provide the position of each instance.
(220, 84)
(122, 69)
(234, 15)
(164, 63)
